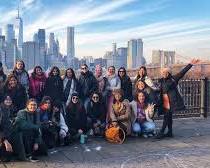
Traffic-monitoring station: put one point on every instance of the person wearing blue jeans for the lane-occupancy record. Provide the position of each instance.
(142, 114)
(145, 128)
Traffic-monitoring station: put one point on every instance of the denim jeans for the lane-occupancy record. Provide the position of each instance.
(146, 127)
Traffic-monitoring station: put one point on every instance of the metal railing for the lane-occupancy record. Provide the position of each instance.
(196, 96)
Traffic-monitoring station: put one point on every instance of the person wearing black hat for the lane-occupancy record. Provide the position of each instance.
(76, 118)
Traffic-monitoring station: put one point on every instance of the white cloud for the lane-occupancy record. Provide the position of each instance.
(171, 35)
(8, 14)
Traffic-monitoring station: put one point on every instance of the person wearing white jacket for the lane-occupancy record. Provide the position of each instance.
(142, 75)
(58, 119)
(114, 83)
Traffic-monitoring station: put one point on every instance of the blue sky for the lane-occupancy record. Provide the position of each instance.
(180, 25)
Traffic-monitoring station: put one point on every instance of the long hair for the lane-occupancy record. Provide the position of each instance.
(33, 74)
(10, 76)
(145, 70)
(97, 93)
(72, 71)
(123, 68)
(52, 69)
(145, 95)
(71, 104)
(136, 85)
(15, 67)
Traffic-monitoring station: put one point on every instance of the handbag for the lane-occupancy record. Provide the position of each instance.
(115, 134)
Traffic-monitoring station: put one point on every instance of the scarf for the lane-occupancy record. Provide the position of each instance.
(67, 89)
(101, 83)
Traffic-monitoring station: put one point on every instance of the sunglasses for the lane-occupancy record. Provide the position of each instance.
(75, 98)
(121, 71)
(47, 102)
(95, 97)
(83, 68)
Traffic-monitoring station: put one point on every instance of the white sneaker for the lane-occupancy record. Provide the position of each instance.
(33, 159)
(145, 135)
(91, 133)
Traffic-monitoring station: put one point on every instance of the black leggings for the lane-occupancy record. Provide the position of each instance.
(167, 121)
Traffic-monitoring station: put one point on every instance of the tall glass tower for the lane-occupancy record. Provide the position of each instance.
(70, 42)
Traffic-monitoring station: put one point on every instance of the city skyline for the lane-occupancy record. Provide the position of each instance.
(162, 24)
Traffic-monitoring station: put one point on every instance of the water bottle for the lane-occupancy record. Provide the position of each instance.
(83, 138)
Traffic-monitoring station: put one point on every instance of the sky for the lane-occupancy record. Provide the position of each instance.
(178, 25)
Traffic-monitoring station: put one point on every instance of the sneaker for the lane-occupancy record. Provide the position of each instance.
(91, 133)
(150, 135)
(33, 159)
(145, 135)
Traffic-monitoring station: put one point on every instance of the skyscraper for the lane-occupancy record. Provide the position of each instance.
(10, 34)
(70, 42)
(11, 51)
(135, 53)
(19, 30)
(35, 38)
(41, 38)
(122, 53)
(51, 43)
(31, 54)
(2, 49)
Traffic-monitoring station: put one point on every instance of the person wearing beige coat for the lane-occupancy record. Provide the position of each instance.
(120, 114)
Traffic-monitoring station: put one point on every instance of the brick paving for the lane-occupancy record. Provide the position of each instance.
(190, 148)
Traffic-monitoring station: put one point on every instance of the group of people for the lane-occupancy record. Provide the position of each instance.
(40, 111)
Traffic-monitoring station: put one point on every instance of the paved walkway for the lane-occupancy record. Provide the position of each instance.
(190, 148)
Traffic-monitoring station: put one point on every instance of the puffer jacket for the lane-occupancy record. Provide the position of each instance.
(88, 84)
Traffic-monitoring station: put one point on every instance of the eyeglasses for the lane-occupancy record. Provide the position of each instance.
(75, 98)
(47, 102)
(95, 97)
(84, 68)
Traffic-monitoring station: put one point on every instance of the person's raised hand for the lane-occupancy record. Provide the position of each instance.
(195, 61)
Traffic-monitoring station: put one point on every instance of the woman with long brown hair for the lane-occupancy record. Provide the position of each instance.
(16, 91)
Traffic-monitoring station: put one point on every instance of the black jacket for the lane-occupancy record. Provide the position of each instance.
(76, 118)
(18, 95)
(87, 84)
(169, 86)
(126, 86)
(6, 119)
(96, 111)
(54, 88)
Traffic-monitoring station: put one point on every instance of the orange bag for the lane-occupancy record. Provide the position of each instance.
(115, 135)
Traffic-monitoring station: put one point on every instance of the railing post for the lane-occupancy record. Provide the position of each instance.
(203, 112)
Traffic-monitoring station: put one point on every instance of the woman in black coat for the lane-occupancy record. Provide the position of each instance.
(96, 114)
(54, 85)
(76, 118)
(126, 84)
(171, 99)
(16, 91)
